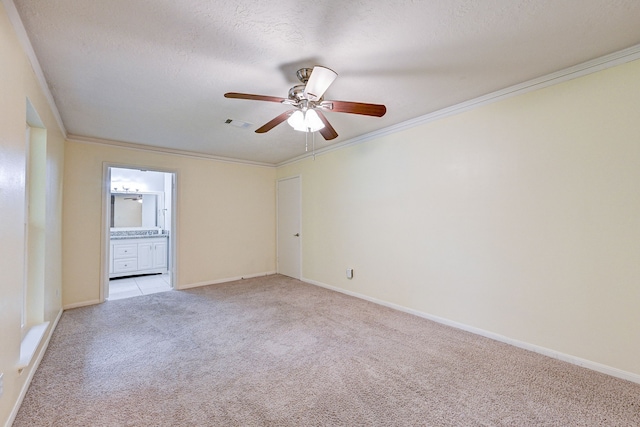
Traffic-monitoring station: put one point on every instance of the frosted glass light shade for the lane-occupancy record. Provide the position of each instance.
(312, 121)
(296, 120)
(308, 121)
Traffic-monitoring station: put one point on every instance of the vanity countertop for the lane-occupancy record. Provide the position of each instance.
(139, 236)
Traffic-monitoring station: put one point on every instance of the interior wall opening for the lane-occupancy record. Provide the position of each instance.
(141, 232)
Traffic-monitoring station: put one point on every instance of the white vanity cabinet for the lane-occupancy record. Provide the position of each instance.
(138, 256)
(152, 254)
(124, 257)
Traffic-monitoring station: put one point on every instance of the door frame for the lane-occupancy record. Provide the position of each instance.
(105, 234)
(299, 178)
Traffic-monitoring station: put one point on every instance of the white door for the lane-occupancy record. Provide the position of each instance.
(289, 209)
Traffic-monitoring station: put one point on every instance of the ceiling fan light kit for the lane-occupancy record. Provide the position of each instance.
(307, 98)
(307, 121)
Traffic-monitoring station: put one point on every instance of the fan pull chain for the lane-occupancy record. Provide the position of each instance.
(313, 142)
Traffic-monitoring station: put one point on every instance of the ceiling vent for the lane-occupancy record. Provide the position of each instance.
(238, 123)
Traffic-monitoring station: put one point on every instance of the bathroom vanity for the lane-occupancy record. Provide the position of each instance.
(139, 241)
(138, 252)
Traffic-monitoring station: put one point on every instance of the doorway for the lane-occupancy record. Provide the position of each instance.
(139, 232)
(289, 207)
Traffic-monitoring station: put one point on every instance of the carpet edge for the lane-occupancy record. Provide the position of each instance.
(225, 280)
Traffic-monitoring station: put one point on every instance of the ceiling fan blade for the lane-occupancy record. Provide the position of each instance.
(377, 110)
(327, 132)
(274, 122)
(252, 97)
(319, 81)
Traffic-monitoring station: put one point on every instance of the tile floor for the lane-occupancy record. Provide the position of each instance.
(139, 285)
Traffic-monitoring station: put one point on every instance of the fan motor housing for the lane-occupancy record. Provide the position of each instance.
(296, 93)
(303, 74)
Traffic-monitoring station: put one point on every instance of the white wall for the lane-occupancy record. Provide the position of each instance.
(520, 218)
(17, 83)
(225, 217)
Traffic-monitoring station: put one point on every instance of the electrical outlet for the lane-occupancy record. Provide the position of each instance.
(349, 273)
(1, 385)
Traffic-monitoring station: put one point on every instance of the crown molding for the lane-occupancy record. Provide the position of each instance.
(589, 67)
(23, 38)
(162, 150)
(607, 61)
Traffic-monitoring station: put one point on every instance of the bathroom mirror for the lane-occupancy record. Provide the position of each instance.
(135, 210)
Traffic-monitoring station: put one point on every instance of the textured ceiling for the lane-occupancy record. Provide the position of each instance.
(154, 72)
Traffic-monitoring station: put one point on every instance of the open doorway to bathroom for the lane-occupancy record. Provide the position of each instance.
(140, 232)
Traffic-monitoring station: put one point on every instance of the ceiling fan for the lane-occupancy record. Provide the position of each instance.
(307, 98)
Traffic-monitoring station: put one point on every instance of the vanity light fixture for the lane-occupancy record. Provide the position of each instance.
(128, 187)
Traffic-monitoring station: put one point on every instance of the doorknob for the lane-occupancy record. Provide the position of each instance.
(296, 235)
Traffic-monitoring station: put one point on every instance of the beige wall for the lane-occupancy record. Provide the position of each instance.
(17, 82)
(521, 218)
(225, 217)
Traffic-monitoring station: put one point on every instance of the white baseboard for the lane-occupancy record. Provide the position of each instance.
(594, 366)
(228, 279)
(32, 371)
(81, 304)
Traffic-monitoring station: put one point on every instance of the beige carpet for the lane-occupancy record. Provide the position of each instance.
(273, 351)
